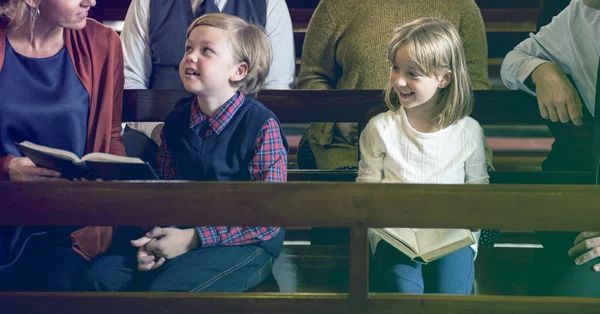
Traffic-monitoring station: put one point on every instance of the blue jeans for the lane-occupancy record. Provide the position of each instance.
(217, 269)
(451, 274)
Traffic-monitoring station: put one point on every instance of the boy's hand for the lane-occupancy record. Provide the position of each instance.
(586, 248)
(168, 243)
(146, 260)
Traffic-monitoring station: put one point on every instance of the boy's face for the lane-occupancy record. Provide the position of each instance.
(208, 67)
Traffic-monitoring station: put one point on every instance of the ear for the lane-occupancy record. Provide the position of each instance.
(33, 3)
(446, 79)
(239, 72)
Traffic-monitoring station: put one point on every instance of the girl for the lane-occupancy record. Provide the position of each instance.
(425, 137)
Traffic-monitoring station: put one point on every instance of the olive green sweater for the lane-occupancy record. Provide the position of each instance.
(346, 48)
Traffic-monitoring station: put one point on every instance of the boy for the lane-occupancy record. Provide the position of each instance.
(222, 135)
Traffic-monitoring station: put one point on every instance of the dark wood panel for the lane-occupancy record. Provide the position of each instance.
(513, 207)
(173, 303)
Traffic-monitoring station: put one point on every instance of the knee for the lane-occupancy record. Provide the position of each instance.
(104, 276)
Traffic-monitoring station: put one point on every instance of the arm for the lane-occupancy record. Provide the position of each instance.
(475, 165)
(167, 169)
(116, 142)
(280, 33)
(269, 165)
(472, 32)
(550, 44)
(370, 166)
(136, 45)
(318, 68)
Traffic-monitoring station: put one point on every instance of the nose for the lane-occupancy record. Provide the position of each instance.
(89, 3)
(400, 80)
(191, 57)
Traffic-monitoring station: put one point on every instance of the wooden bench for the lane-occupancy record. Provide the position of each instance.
(357, 206)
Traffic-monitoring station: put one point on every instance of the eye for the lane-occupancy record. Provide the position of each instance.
(188, 48)
(206, 50)
(414, 74)
(395, 68)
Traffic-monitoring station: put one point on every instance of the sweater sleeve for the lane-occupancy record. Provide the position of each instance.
(116, 142)
(472, 33)
(475, 165)
(370, 166)
(318, 68)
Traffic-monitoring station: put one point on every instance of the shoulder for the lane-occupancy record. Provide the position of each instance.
(383, 121)
(257, 110)
(470, 129)
(99, 32)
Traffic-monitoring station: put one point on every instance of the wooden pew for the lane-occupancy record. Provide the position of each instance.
(301, 106)
(358, 206)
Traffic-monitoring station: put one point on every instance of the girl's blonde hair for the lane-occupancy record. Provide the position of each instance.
(435, 48)
(247, 43)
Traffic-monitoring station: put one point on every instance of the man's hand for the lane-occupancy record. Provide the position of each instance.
(557, 98)
(23, 169)
(586, 248)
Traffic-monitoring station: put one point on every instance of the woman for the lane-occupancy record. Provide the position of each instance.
(61, 85)
(345, 48)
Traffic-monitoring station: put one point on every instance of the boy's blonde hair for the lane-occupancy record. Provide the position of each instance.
(247, 43)
(435, 48)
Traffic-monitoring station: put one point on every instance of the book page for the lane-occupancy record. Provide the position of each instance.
(406, 235)
(111, 158)
(58, 153)
(434, 239)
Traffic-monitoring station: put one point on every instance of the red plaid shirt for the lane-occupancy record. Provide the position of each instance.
(269, 164)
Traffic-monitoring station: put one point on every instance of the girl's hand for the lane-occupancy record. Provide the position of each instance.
(23, 169)
(146, 260)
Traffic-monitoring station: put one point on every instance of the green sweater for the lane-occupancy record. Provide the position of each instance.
(346, 48)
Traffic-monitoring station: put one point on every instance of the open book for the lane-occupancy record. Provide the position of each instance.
(425, 245)
(91, 166)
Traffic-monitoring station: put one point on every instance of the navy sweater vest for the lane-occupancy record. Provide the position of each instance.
(169, 21)
(220, 157)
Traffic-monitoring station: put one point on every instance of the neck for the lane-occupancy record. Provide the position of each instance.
(421, 120)
(210, 104)
(45, 40)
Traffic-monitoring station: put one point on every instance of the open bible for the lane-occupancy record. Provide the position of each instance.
(91, 166)
(425, 245)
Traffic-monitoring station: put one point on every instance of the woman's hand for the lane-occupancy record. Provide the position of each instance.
(23, 169)
(586, 248)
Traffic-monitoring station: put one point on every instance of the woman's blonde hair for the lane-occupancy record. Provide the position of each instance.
(247, 43)
(14, 12)
(435, 47)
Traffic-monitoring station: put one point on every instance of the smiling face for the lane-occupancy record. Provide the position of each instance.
(208, 67)
(70, 14)
(414, 88)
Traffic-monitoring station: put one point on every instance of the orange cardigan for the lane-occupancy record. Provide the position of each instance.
(98, 60)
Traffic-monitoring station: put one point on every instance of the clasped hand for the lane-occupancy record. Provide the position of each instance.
(161, 244)
(586, 248)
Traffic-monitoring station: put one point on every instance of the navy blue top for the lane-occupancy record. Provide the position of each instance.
(42, 101)
(224, 157)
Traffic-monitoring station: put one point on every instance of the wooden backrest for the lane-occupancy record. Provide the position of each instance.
(358, 206)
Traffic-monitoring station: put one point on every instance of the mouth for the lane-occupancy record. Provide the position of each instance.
(190, 71)
(82, 15)
(405, 94)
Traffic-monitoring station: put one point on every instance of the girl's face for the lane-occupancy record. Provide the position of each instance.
(70, 14)
(415, 89)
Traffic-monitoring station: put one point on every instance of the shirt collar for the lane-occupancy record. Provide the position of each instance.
(222, 116)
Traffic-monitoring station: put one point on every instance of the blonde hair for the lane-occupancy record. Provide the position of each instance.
(435, 48)
(14, 12)
(248, 43)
